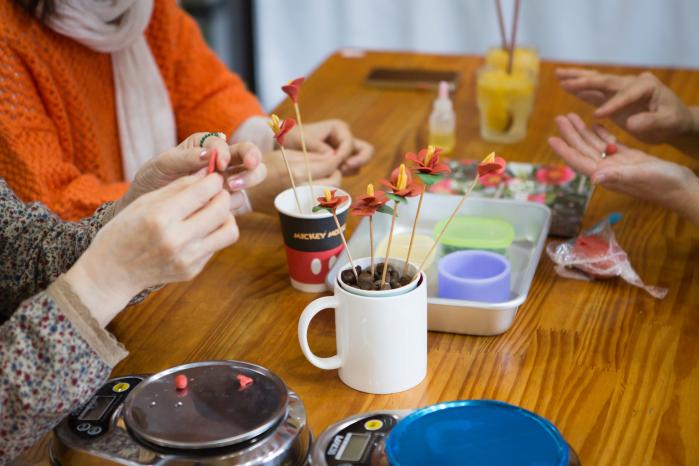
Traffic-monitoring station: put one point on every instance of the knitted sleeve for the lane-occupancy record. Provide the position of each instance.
(35, 158)
(206, 96)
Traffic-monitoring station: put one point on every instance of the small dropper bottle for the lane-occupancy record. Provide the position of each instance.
(442, 121)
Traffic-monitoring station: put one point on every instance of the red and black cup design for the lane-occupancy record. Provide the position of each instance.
(312, 240)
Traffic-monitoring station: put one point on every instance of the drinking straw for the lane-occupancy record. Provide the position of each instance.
(501, 24)
(515, 19)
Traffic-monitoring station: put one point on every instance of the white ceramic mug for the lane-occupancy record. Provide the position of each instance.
(381, 339)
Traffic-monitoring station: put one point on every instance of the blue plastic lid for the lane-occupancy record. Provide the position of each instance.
(475, 432)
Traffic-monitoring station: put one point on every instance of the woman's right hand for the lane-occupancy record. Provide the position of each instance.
(641, 105)
(164, 236)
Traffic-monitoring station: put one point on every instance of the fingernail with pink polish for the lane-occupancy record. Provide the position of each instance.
(203, 153)
(236, 183)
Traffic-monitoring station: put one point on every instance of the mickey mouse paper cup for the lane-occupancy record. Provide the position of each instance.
(312, 240)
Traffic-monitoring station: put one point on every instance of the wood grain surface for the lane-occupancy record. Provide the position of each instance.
(616, 370)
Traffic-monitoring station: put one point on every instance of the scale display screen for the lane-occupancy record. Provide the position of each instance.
(354, 447)
(96, 408)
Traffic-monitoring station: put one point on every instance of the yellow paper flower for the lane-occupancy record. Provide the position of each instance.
(370, 190)
(328, 195)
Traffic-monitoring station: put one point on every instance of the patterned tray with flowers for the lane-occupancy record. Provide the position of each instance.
(558, 186)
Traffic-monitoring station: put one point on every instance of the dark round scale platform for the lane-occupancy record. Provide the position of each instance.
(213, 412)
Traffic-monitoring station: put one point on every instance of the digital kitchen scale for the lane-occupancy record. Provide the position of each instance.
(453, 433)
(230, 413)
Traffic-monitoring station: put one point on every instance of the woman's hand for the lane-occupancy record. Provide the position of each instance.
(332, 138)
(164, 236)
(240, 164)
(324, 170)
(641, 105)
(629, 171)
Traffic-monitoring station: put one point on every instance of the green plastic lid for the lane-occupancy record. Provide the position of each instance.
(476, 233)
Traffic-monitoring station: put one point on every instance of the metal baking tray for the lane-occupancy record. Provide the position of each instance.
(531, 222)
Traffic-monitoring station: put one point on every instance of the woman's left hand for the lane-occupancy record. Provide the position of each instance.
(628, 171)
(240, 164)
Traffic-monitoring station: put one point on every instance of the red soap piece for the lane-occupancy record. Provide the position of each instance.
(181, 382)
(212, 161)
(611, 149)
(244, 381)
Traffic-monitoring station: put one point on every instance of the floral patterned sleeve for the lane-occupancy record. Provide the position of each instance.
(53, 353)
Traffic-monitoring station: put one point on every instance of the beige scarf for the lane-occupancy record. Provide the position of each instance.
(144, 112)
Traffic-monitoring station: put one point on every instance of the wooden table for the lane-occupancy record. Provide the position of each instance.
(616, 370)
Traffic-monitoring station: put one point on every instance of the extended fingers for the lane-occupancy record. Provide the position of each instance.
(638, 89)
(574, 139)
(572, 157)
(209, 217)
(590, 137)
(246, 154)
(225, 235)
(340, 138)
(191, 196)
(247, 178)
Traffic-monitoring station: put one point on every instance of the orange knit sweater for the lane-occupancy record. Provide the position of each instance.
(59, 140)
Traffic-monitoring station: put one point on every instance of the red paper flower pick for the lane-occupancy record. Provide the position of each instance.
(330, 202)
(402, 184)
(366, 206)
(292, 89)
(426, 161)
(281, 128)
(491, 165)
(429, 169)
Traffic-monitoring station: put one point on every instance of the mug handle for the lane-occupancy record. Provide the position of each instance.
(326, 302)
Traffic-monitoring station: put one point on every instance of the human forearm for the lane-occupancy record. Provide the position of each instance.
(687, 139)
(52, 359)
(687, 205)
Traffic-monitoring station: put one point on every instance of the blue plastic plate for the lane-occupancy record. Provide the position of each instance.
(475, 432)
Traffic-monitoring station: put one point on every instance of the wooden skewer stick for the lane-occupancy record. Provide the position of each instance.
(371, 243)
(303, 147)
(446, 225)
(388, 246)
(344, 242)
(412, 235)
(291, 178)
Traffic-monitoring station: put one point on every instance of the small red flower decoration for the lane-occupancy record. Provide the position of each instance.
(331, 202)
(402, 183)
(491, 165)
(611, 149)
(280, 128)
(368, 204)
(292, 89)
(554, 174)
(427, 161)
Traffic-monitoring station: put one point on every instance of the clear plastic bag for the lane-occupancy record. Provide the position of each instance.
(596, 254)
